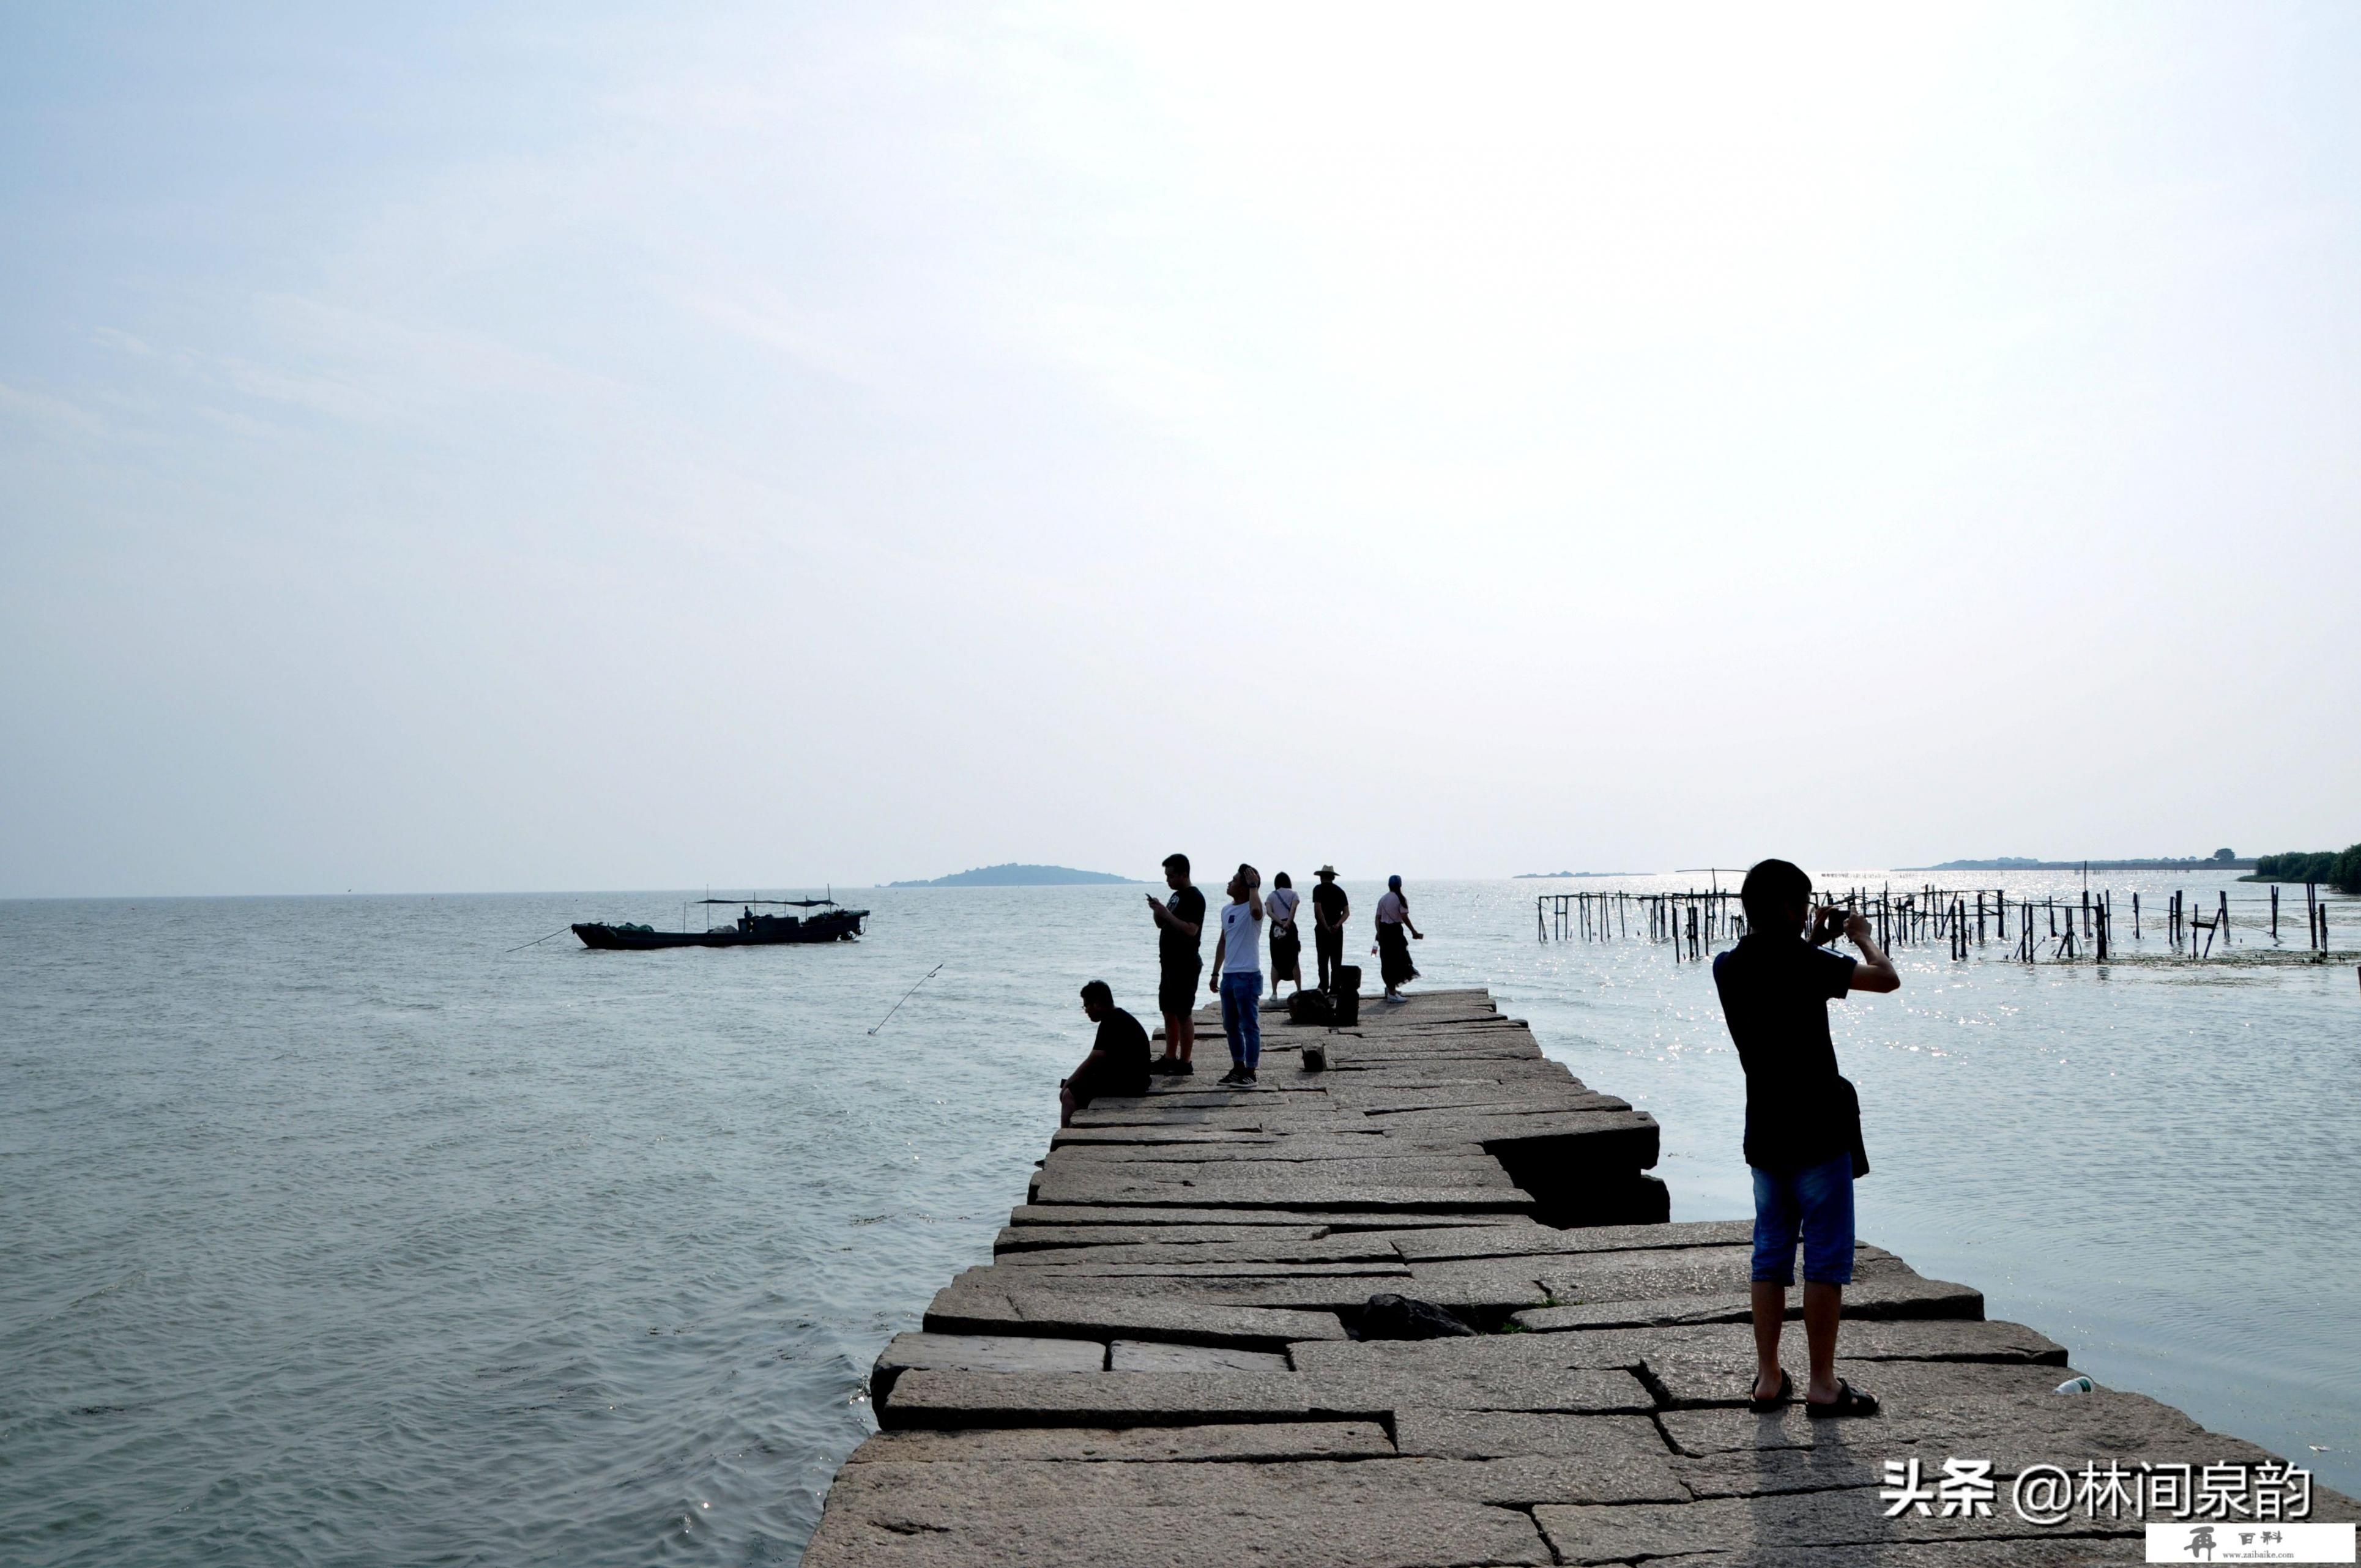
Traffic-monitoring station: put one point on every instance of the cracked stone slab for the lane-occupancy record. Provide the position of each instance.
(981, 1352)
(1081, 1315)
(1352, 1247)
(1031, 1215)
(1730, 1348)
(1412, 1534)
(1043, 1238)
(941, 1490)
(1869, 1298)
(1151, 1355)
(1488, 1371)
(1909, 1387)
(1743, 1528)
(1438, 1244)
(1616, 1458)
(1174, 1445)
(1307, 1189)
(922, 1398)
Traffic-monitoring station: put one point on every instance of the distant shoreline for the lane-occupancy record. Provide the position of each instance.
(2007, 864)
(1014, 874)
(1553, 876)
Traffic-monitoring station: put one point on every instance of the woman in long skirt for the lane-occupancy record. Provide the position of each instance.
(1393, 947)
(1286, 941)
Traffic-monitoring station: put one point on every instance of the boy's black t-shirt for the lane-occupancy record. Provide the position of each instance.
(1329, 900)
(1775, 991)
(1123, 1044)
(1178, 948)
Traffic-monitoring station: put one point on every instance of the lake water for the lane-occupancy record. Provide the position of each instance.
(332, 1232)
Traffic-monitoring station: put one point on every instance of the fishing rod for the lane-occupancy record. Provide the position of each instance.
(539, 940)
(905, 996)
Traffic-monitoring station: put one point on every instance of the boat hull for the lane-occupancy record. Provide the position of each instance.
(834, 927)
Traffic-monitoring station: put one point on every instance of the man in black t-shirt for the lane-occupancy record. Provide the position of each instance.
(1118, 1060)
(1180, 960)
(1803, 1120)
(1329, 908)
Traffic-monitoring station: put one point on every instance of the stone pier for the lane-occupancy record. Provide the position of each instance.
(1162, 1366)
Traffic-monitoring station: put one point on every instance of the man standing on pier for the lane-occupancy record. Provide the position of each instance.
(1329, 908)
(1180, 960)
(1803, 1119)
(1237, 975)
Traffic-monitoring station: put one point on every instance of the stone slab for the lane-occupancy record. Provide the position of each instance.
(1741, 1528)
(1406, 1533)
(1611, 1459)
(1494, 1372)
(1330, 1220)
(1042, 1238)
(921, 1398)
(1163, 1445)
(1050, 1314)
(1151, 1355)
(1891, 1296)
(981, 1352)
(1437, 1245)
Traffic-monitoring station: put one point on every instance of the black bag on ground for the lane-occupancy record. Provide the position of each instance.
(1347, 995)
(1389, 1316)
(1310, 1007)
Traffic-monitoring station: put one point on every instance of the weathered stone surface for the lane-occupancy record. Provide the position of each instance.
(1435, 1244)
(1150, 1355)
(1357, 1246)
(1080, 1315)
(1613, 1459)
(1683, 1380)
(981, 1352)
(1732, 1347)
(1870, 1296)
(1304, 1188)
(2045, 1550)
(940, 1489)
(921, 1398)
(1495, 1372)
(1742, 1527)
(1035, 1238)
(1408, 1533)
(1176, 1446)
(1026, 1215)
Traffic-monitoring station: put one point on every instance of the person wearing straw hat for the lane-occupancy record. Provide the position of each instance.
(1329, 908)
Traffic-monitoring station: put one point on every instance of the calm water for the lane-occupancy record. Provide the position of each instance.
(330, 1233)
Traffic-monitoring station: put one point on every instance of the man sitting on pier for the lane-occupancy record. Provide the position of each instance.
(1803, 1120)
(1118, 1060)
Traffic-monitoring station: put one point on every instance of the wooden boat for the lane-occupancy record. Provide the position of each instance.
(832, 922)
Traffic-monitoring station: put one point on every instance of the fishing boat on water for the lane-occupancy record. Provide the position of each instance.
(822, 920)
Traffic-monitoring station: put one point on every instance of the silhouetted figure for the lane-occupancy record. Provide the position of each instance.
(1329, 909)
(1118, 1060)
(1393, 947)
(1180, 959)
(1803, 1120)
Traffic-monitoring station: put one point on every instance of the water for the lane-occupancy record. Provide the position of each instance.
(332, 1233)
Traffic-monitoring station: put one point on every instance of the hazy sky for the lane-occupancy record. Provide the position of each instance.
(483, 447)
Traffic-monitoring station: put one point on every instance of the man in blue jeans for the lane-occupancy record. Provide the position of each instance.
(1237, 974)
(1803, 1120)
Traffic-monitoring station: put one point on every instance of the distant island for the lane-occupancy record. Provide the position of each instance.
(1015, 875)
(2219, 861)
(1553, 876)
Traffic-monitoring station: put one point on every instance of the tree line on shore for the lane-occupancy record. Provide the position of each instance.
(2340, 869)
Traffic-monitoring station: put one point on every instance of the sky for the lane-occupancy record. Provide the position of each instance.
(506, 447)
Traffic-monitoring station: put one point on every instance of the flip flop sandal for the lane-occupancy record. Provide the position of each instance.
(1850, 1401)
(1785, 1395)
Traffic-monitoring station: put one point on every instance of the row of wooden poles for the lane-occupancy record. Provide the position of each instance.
(1693, 921)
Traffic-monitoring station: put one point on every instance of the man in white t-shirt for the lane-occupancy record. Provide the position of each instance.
(1237, 974)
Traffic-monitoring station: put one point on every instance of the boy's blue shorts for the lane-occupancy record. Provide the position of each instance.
(1815, 1203)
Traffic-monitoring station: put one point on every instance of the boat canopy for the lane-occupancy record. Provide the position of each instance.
(782, 903)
